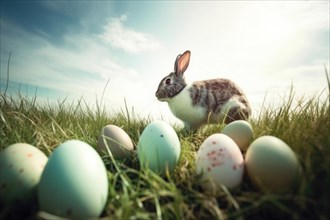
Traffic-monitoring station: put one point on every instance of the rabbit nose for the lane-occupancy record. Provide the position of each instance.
(160, 94)
(157, 94)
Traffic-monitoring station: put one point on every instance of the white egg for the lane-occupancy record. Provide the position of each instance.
(118, 141)
(219, 162)
(21, 166)
(240, 131)
(159, 147)
(271, 164)
(74, 183)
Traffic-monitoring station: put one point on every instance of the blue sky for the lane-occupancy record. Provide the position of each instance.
(72, 48)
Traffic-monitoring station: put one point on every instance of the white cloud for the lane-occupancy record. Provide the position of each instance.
(130, 40)
(78, 67)
(252, 39)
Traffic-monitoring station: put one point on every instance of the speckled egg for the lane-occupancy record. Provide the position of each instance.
(271, 164)
(240, 131)
(21, 166)
(118, 141)
(159, 147)
(74, 183)
(219, 162)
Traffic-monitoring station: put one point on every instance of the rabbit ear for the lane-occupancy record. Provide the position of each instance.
(182, 62)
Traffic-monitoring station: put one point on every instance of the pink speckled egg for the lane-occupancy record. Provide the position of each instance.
(21, 166)
(219, 162)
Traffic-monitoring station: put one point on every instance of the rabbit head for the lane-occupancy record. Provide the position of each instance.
(174, 83)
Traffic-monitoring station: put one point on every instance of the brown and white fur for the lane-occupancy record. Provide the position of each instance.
(207, 101)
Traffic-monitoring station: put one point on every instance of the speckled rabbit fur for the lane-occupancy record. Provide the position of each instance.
(208, 101)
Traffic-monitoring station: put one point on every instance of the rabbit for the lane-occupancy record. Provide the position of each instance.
(201, 102)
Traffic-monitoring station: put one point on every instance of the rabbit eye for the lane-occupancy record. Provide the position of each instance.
(168, 81)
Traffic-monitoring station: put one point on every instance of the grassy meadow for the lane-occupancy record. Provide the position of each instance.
(135, 194)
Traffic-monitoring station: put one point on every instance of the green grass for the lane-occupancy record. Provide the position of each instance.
(135, 194)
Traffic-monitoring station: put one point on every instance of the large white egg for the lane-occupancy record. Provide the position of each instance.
(240, 131)
(159, 147)
(74, 183)
(118, 141)
(271, 164)
(21, 166)
(219, 162)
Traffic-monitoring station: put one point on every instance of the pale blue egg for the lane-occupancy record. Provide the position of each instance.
(159, 147)
(74, 183)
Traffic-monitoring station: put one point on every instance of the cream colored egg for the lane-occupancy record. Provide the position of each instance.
(219, 162)
(240, 131)
(21, 166)
(271, 164)
(118, 141)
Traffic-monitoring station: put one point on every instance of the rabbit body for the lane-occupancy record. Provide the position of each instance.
(208, 101)
(182, 107)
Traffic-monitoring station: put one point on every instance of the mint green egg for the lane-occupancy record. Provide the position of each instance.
(74, 183)
(271, 164)
(159, 147)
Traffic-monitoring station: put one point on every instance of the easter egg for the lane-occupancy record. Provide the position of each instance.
(240, 131)
(159, 147)
(118, 141)
(21, 166)
(219, 162)
(74, 183)
(271, 164)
